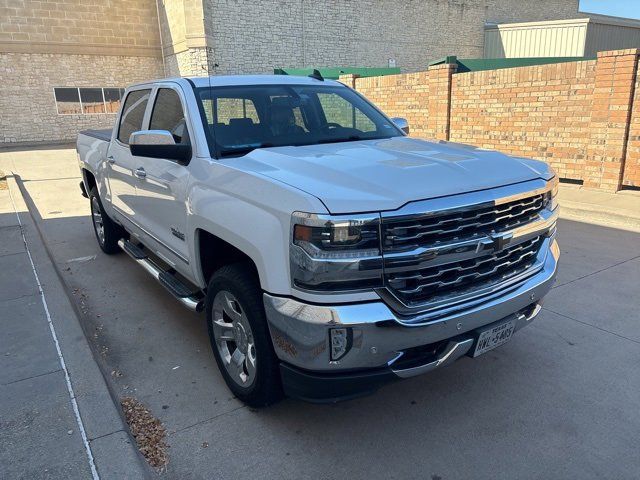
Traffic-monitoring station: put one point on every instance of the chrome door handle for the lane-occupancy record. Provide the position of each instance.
(111, 160)
(140, 173)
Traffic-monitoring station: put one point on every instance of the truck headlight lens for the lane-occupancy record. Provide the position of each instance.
(335, 253)
(551, 196)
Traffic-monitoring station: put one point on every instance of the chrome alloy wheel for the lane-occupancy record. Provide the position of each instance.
(96, 216)
(234, 338)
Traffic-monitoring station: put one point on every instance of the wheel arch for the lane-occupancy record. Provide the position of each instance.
(213, 252)
(89, 180)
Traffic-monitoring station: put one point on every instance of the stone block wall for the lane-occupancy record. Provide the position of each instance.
(27, 102)
(69, 25)
(188, 63)
(256, 37)
(46, 44)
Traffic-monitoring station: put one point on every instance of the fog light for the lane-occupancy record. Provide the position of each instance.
(340, 339)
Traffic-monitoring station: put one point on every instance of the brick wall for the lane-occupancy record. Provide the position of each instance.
(541, 112)
(581, 117)
(631, 176)
(405, 95)
(610, 116)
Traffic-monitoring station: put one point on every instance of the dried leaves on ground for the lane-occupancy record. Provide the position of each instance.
(148, 431)
(3, 181)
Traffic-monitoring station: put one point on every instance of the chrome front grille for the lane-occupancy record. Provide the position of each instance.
(441, 282)
(455, 250)
(472, 222)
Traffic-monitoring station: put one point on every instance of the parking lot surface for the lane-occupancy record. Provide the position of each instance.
(560, 400)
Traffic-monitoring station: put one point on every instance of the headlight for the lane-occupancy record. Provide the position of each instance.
(551, 196)
(335, 253)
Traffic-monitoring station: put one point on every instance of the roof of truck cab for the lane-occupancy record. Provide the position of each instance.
(235, 80)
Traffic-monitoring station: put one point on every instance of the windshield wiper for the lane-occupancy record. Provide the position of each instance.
(351, 138)
(227, 152)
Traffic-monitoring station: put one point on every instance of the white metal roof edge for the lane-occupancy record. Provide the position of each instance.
(592, 18)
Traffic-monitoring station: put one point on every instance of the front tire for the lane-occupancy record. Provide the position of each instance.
(240, 337)
(107, 231)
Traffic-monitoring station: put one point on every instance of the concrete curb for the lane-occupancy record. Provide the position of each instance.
(114, 451)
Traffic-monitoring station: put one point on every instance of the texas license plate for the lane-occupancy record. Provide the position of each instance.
(494, 337)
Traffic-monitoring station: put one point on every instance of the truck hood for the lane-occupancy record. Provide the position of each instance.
(376, 175)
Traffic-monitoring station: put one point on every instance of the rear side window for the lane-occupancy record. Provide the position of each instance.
(132, 114)
(168, 115)
(228, 109)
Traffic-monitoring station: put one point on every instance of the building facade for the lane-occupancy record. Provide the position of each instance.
(63, 63)
(579, 37)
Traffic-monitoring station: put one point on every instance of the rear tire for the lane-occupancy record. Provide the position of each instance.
(107, 231)
(240, 337)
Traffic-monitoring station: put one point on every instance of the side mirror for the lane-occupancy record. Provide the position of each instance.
(158, 144)
(401, 123)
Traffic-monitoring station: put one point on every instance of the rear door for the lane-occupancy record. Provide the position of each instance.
(160, 203)
(120, 163)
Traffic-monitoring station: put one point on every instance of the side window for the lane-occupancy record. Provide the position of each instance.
(168, 115)
(234, 108)
(340, 111)
(132, 114)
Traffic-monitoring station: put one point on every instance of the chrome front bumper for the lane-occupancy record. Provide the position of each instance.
(300, 331)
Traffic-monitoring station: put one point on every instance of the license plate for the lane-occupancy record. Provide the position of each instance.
(494, 337)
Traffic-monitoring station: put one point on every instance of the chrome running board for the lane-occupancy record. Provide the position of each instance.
(175, 287)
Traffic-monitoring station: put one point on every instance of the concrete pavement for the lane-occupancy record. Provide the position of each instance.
(57, 416)
(619, 210)
(558, 401)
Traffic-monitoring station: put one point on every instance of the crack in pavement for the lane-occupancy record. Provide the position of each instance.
(2, 300)
(32, 376)
(596, 272)
(591, 325)
(10, 254)
(205, 421)
(107, 434)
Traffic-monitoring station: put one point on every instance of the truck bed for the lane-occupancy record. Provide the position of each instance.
(99, 134)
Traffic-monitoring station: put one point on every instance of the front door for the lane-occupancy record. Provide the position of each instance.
(161, 186)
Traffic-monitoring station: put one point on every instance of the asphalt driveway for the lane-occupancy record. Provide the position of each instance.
(561, 400)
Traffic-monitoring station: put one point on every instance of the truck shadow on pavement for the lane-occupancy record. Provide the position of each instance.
(559, 400)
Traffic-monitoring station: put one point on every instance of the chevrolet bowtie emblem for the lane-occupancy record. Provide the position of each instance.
(495, 242)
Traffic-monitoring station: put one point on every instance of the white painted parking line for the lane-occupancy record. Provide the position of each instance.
(54, 336)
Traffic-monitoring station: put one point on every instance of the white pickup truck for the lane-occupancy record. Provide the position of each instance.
(330, 252)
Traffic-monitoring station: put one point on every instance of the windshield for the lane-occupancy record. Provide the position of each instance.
(239, 119)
